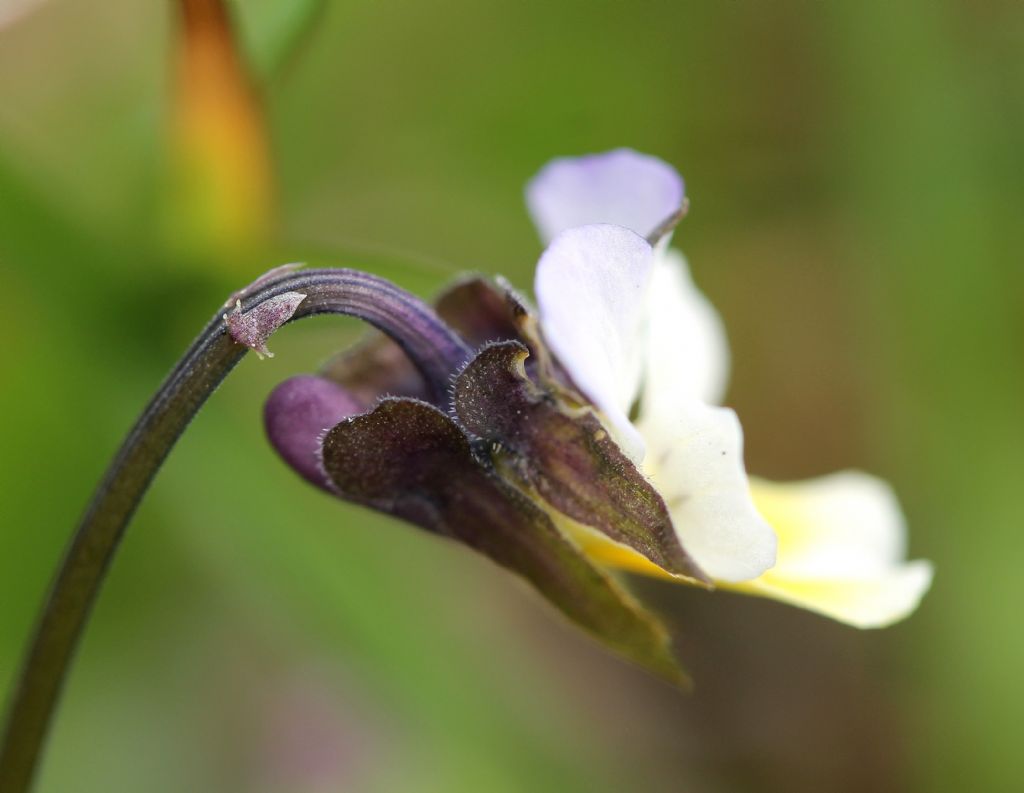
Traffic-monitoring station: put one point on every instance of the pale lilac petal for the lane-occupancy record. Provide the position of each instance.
(622, 187)
(591, 288)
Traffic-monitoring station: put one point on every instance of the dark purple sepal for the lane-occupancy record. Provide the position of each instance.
(484, 312)
(567, 459)
(481, 311)
(296, 416)
(374, 368)
(408, 459)
(665, 228)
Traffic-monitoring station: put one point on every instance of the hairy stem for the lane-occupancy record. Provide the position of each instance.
(431, 345)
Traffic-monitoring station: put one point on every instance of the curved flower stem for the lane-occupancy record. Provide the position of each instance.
(431, 345)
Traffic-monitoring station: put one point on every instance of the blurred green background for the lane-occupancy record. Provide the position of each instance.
(855, 171)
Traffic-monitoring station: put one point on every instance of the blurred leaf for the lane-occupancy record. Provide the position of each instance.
(274, 31)
(34, 230)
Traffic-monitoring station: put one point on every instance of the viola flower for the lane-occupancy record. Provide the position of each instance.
(840, 538)
(586, 436)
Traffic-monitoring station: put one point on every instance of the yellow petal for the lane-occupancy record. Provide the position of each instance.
(841, 550)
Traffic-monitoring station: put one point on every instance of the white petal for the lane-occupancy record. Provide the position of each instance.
(842, 543)
(621, 187)
(695, 460)
(591, 286)
(687, 352)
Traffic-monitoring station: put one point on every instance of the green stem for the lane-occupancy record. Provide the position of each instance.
(431, 345)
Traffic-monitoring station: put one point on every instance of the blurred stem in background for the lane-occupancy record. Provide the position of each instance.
(221, 196)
